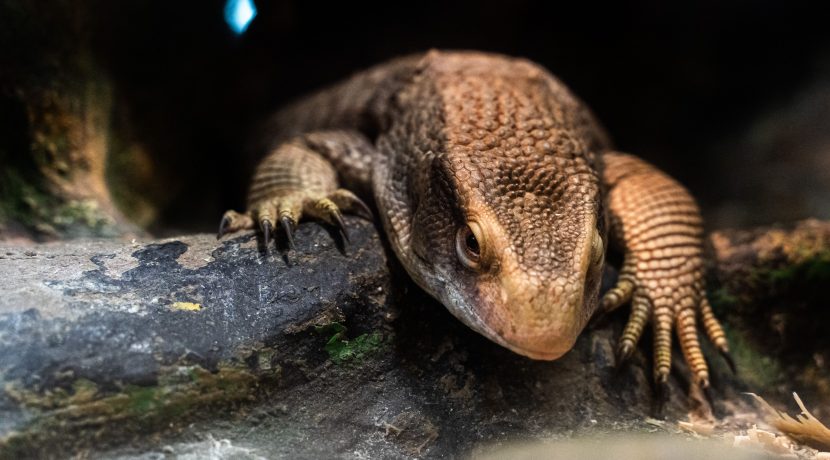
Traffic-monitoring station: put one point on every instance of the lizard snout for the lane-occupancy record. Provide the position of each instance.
(538, 321)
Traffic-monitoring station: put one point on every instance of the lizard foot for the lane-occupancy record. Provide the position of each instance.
(670, 294)
(287, 210)
(293, 182)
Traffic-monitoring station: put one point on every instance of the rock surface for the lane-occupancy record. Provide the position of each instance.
(188, 345)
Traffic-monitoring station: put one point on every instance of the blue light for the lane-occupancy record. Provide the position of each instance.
(239, 14)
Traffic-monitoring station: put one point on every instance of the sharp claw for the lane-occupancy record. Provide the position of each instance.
(223, 226)
(623, 353)
(362, 209)
(266, 232)
(661, 395)
(351, 203)
(338, 219)
(731, 362)
(288, 226)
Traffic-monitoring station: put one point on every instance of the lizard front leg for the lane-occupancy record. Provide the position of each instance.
(657, 224)
(299, 178)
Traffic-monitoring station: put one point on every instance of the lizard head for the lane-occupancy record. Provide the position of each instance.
(513, 249)
(497, 211)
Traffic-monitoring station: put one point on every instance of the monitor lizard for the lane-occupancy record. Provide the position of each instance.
(499, 193)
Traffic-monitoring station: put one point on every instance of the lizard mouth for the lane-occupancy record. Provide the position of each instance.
(546, 354)
(534, 354)
(541, 354)
(546, 343)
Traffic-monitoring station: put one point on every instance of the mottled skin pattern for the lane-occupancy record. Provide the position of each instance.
(495, 187)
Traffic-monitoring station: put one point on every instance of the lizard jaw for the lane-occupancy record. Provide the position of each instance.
(534, 354)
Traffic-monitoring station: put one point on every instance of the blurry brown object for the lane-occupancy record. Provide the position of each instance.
(56, 138)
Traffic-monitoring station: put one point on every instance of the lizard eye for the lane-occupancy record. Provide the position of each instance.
(467, 246)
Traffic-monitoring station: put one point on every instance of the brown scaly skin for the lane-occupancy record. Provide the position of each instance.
(492, 181)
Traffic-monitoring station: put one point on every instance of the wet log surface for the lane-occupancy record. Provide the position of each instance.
(167, 346)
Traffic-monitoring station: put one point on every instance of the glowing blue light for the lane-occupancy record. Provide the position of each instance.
(239, 14)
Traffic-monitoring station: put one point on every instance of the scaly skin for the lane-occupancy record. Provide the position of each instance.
(492, 182)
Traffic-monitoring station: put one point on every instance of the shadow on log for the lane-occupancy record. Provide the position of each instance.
(325, 354)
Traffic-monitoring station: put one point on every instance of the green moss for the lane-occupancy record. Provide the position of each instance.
(18, 196)
(85, 214)
(814, 269)
(142, 400)
(722, 299)
(818, 269)
(754, 367)
(23, 201)
(343, 350)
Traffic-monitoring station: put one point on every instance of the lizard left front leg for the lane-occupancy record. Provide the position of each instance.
(657, 224)
(299, 179)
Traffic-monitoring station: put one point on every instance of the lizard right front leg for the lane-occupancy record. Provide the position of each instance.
(657, 224)
(298, 180)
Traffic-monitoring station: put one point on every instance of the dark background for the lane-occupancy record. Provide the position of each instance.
(730, 97)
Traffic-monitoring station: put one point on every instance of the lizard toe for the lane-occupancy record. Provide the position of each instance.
(662, 322)
(350, 203)
(265, 215)
(621, 293)
(288, 224)
(690, 345)
(327, 210)
(282, 211)
(286, 210)
(267, 227)
(232, 222)
(640, 314)
(714, 331)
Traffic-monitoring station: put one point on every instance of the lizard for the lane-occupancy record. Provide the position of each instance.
(499, 193)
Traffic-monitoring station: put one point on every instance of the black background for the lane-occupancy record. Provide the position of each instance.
(673, 82)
